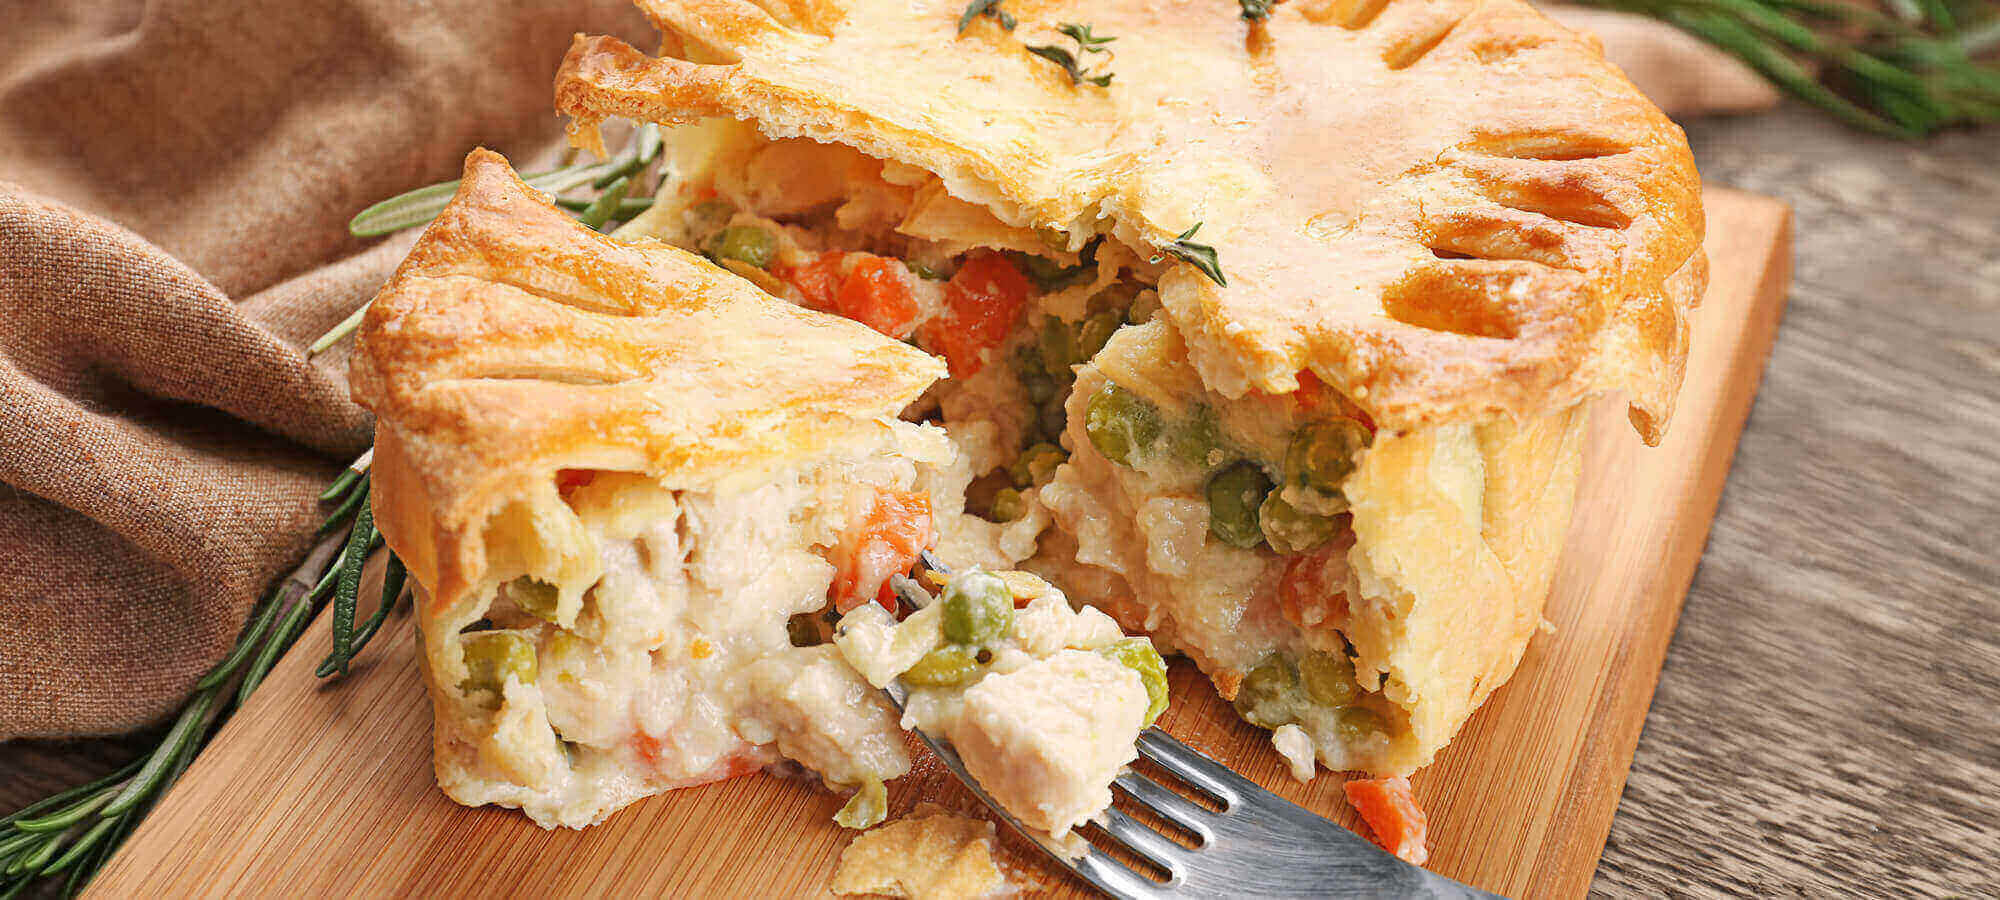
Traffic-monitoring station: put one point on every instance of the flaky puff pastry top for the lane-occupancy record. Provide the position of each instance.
(1446, 209)
(514, 342)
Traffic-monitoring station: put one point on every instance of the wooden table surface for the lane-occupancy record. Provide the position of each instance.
(1828, 721)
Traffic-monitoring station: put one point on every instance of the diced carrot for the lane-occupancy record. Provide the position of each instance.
(982, 302)
(817, 279)
(877, 294)
(1390, 809)
(887, 533)
(568, 480)
(1312, 591)
(1314, 396)
(1312, 392)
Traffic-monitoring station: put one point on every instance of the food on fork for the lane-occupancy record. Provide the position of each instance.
(1044, 703)
(1276, 344)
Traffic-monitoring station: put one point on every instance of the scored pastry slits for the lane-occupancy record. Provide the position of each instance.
(1445, 224)
(1445, 209)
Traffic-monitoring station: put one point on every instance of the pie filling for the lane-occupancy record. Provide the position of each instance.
(1215, 524)
(669, 657)
(666, 638)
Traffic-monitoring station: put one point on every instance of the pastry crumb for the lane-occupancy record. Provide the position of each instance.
(1297, 748)
(927, 855)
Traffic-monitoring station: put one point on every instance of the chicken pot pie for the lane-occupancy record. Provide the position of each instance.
(1284, 329)
(633, 489)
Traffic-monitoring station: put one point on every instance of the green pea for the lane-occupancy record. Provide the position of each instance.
(1359, 723)
(867, 808)
(1008, 505)
(1037, 464)
(1137, 654)
(1268, 695)
(1058, 345)
(1117, 297)
(491, 656)
(1051, 418)
(534, 596)
(803, 630)
(1321, 455)
(1291, 530)
(1144, 307)
(1196, 439)
(744, 243)
(1121, 424)
(946, 666)
(1041, 268)
(1329, 679)
(978, 609)
(706, 217)
(1234, 495)
(1040, 388)
(1028, 359)
(1095, 332)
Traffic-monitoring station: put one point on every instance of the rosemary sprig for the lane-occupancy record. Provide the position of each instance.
(627, 208)
(1907, 73)
(1201, 256)
(1072, 63)
(419, 207)
(73, 832)
(990, 8)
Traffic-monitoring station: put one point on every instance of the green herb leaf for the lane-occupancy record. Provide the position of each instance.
(1086, 43)
(991, 8)
(1910, 71)
(1257, 10)
(1201, 256)
(346, 594)
(598, 214)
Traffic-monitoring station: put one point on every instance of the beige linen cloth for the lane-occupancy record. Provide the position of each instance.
(175, 180)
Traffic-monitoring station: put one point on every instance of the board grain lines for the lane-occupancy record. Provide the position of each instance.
(1828, 722)
(327, 789)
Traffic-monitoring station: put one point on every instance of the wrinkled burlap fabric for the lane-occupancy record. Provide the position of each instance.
(175, 180)
(175, 183)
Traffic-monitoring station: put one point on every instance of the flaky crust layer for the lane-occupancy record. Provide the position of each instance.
(1458, 532)
(1446, 209)
(515, 342)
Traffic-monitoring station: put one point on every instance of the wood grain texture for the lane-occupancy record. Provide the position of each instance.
(1828, 722)
(326, 789)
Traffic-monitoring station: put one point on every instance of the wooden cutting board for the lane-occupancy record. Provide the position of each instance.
(324, 788)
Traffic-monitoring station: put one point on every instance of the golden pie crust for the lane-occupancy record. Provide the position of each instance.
(1445, 209)
(514, 343)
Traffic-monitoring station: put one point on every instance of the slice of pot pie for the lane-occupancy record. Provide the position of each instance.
(633, 488)
(616, 474)
(1284, 328)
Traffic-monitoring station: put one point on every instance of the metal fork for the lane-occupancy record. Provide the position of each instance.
(1254, 844)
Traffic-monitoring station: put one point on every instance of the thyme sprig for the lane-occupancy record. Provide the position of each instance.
(1074, 63)
(1909, 72)
(72, 833)
(1201, 256)
(989, 8)
(617, 175)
